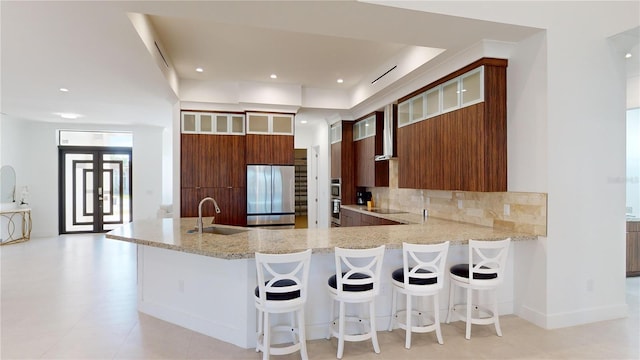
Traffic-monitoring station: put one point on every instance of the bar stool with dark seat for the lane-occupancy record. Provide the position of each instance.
(357, 280)
(484, 272)
(421, 275)
(282, 288)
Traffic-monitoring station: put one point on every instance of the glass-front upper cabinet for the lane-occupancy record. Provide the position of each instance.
(417, 107)
(464, 90)
(282, 124)
(336, 132)
(212, 123)
(433, 102)
(364, 128)
(450, 95)
(404, 114)
(276, 124)
(189, 122)
(472, 87)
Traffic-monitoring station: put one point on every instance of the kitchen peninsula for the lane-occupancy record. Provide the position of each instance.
(205, 282)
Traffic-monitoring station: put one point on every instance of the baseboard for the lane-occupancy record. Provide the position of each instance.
(573, 318)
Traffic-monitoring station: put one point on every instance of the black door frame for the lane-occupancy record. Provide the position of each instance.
(97, 151)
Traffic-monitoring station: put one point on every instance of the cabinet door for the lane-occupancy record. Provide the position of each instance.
(237, 206)
(368, 220)
(336, 160)
(189, 199)
(365, 162)
(190, 160)
(282, 124)
(231, 202)
(349, 218)
(270, 149)
(237, 124)
(258, 123)
(223, 161)
(190, 122)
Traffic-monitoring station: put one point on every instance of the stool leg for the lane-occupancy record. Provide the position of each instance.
(331, 319)
(407, 340)
(292, 326)
(496, 318)
(302, 335)
(374, 329)
(260, 330)
(341, 325)
(266, 342)
(451, 296)
(394, 298)
(469, 306)
(436, 317)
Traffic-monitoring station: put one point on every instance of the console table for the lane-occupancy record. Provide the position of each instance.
(16, 225)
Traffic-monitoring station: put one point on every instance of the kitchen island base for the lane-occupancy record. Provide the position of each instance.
(214, 296)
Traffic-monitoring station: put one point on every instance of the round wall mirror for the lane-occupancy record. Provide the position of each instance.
(7, 184)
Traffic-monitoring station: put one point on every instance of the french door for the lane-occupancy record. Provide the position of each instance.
(95, 189)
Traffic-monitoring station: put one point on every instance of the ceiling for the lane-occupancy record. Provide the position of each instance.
(93, 50)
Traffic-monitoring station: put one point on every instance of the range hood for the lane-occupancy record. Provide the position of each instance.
(387, 135)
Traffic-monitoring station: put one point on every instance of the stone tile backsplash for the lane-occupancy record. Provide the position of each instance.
(519, 211)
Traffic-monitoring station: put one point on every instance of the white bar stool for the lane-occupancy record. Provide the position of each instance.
(282, 288)
(357, 281)
(485, 271)
(421, 275)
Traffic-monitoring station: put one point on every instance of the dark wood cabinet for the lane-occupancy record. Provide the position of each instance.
(349, 218)
(212, 161)
(270, 149)
(232, 203)
(371, 173)
(464, 149)
(633, 248)
(213, 165)
(342, 163)
(354, 218)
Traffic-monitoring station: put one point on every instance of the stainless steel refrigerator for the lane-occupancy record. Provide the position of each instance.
(270, 196)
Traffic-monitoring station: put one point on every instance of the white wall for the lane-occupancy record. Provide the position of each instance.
(577, 123)
(633, 162)
(31, 148)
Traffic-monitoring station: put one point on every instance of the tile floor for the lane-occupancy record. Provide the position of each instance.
(74, 297)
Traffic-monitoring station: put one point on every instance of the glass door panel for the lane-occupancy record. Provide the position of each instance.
(116, 200)
(79, 184)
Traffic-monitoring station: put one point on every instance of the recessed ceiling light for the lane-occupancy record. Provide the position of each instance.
(274, 76)
(303, 121)
(339, 81)
(64, 89)
(199, 69)
(68, 115)
(627, 55)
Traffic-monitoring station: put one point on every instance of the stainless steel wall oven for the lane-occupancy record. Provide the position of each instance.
(335, 202)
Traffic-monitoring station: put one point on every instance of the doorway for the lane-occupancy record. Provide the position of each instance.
(95, 189)
(302, 219)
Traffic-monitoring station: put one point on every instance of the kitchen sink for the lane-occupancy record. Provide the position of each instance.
(218, 230)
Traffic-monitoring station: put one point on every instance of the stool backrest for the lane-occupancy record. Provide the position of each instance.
(272, 268)
(358, 262)
(424, 262)
(487, 258)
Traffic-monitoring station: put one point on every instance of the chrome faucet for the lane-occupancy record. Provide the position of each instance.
(215, 205)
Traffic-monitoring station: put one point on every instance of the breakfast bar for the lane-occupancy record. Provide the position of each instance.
(205, 282)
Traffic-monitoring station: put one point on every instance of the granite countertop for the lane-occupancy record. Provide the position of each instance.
(172, 234)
